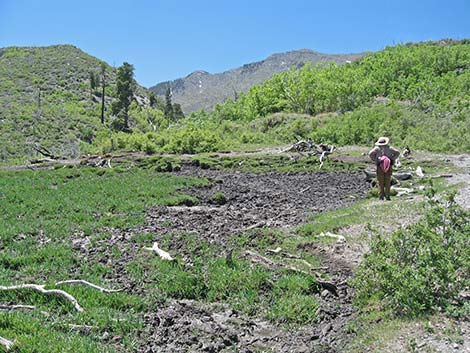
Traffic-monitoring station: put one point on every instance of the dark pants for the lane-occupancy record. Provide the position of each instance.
(384, 181)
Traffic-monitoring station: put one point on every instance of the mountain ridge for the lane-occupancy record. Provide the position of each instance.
(203, 90)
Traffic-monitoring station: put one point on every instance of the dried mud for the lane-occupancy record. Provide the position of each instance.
(250, 200)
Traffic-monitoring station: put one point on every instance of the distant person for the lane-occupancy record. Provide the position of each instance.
(384, 157)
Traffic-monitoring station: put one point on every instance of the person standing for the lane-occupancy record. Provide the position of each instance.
(384, 156)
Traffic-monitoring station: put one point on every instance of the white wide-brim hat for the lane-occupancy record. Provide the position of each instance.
(382, 141)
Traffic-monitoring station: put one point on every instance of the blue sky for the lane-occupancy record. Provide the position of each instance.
(165, 40)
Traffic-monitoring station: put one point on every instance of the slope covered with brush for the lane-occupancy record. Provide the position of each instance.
(47, 99)
(418, 94)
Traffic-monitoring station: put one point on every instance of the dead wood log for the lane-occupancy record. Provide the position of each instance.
(41, 289)
(88, 284)
(7, 344)
(45, 152)
(442, 176)
(42, 160)
(162, 253)
(272, 265)
(301, 146)
(256, 225)
(322, 159)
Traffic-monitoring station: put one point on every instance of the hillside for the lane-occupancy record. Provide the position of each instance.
(417, 94)
(202, 90)
(45, 99)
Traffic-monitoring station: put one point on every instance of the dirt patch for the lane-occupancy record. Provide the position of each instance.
(273, 200)
(188, 326)
(463, 177)
(279, 200)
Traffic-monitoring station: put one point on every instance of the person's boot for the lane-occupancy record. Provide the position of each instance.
(387, 198)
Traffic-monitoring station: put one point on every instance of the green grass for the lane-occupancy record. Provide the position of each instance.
(41, 213)
(211, 278)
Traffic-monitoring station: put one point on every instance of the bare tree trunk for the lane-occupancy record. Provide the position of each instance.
(102, 99)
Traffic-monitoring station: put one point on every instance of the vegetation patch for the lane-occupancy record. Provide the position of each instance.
(423, 268)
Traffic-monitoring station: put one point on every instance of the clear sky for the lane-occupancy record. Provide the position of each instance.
(165, 40)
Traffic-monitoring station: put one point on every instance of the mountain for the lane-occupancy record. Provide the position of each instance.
(202, 90)
(45, 99)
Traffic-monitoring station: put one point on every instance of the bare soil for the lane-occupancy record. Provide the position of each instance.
(271, 200)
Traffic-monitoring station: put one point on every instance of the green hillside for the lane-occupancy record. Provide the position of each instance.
(45, 98)
(419, 94)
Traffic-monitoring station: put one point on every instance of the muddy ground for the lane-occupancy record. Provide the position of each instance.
(250, 200)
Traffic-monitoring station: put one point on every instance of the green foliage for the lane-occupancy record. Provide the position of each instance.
(125, 87)
(293, 300)
(422, 268)
(405, 125)
(423, 86)
(70, 111)
(219, 198)
(418, 94)
(42, 214)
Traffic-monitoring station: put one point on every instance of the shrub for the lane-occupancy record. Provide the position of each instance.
(219, 198)
(422, 268)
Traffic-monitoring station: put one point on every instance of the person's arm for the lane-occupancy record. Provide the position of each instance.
(395, 154)
(373, 154)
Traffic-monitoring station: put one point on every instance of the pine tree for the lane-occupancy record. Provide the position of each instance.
(152, 99)
(169, 114)
(103, 86)
(125, 87)
(177, 112)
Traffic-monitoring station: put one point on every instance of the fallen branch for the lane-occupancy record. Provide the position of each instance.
(45, 152)
(323, 158)
(16, 307)
(296, 257)
(41, 289)
(270, 264)
(256, 225)
(402, 191)
(162, 253)
(42, 160)
(338, 237)
(88, 284)
(82, 328)
(442, 176)
(7, 344)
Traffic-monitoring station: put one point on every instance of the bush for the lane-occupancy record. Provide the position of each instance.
(219, 198)
(423, 268)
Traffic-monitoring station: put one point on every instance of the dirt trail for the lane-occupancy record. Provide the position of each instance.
(462, 177)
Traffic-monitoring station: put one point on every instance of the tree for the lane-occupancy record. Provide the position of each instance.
(169, 114)
(103, 86)
(93, 83)
(125, 86)
(177, 112)
(152, 99)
